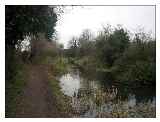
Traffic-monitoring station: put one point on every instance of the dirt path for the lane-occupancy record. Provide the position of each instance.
(37, 99)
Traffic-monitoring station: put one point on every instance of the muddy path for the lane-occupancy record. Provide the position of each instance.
(37, 99)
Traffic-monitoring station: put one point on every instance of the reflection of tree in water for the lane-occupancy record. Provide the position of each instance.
(106, 80)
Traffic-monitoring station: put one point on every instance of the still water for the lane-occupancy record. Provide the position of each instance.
(93, 94)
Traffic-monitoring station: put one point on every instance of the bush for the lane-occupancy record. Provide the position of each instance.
(137, 65)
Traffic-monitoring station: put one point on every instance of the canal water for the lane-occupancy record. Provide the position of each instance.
(93, 94)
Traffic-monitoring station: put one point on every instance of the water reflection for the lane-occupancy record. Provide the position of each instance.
(70, 83)
(131, 100)
(91, 98)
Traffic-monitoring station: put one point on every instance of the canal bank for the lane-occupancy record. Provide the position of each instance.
(91, 97)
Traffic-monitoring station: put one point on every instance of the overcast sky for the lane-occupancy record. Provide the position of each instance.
(76, 19)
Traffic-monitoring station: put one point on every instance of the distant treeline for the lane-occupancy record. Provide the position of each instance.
(130, 58)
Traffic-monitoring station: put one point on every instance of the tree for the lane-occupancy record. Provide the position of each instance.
(85, 43)
(73, 47)
(137, 65)
(24, 21)
(111, 45)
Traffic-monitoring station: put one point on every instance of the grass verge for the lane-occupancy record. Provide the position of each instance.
(13, 90)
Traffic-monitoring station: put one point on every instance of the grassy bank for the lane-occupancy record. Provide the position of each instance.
(13, 90)
(62, 101)
(57, 66)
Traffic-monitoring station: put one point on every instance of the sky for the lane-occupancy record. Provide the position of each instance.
(78, 18)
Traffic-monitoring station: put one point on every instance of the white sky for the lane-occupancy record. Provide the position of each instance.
(76, 19)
